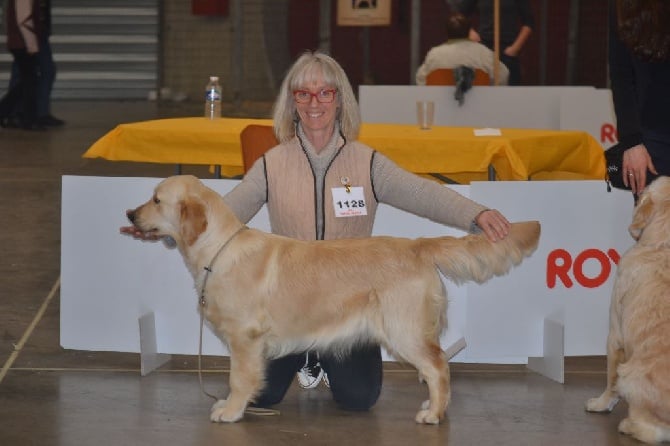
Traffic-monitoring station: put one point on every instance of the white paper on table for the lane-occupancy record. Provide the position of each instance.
(487, 132)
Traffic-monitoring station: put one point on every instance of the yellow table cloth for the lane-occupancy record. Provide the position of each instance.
(177, 141)
(455, 152)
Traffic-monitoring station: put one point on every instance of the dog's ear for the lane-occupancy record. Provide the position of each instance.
(193, 220)
(641, 216)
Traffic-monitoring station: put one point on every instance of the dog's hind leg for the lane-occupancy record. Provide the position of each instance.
(433, 367)
(247, 371)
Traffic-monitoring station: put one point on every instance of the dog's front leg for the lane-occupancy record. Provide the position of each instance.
(247, 371)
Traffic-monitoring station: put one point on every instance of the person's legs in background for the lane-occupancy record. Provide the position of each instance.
(28, 76)
(356, 379)
(47, 77)
(278, 378)
(13, 115)
(10, 101)
(14, 77)
(19, 105)
(514, 67)
(512, 63)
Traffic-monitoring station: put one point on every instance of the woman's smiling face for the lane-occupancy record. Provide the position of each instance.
(317, 116)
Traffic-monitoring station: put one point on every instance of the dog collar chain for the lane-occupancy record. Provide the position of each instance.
(208, 268)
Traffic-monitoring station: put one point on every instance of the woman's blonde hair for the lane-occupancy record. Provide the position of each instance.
(309, 66)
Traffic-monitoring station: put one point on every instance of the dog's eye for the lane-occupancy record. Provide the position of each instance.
(157, 200)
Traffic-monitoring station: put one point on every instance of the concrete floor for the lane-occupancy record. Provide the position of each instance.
(52, 396)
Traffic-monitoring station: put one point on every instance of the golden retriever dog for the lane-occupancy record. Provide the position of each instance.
(267, 295)
(638, 343)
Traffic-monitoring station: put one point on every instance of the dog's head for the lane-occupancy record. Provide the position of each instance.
(177, 209)
(651, 218)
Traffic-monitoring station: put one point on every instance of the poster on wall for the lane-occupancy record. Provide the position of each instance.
(363, 12)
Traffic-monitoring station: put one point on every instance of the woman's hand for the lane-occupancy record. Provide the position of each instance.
(168, 241)
(636, 162)
(137, 234)
(494, 224)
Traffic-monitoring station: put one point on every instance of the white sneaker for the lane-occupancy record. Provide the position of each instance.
(310, 375)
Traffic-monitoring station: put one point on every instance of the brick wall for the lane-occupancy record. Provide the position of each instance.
(195, 47)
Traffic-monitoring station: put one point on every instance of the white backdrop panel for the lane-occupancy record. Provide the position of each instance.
(110, 280)
(511, 107)
(557, 108)
(505, 316)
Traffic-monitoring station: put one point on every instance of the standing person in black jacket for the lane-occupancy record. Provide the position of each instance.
(639, 66)
(23, 27)
(516, 26)
(46, 69)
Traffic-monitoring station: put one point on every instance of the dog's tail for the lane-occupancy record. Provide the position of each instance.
(475, 258)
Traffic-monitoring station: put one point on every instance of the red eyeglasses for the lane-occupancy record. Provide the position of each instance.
(323, 96)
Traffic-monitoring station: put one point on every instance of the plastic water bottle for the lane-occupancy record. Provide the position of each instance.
(213, 98)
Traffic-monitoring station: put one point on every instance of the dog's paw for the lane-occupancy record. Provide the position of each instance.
(604, 403)
(642, 430)
(626, 426)
(427, 417)
(222, 413)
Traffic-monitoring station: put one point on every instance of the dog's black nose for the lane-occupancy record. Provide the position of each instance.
(131, 215)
